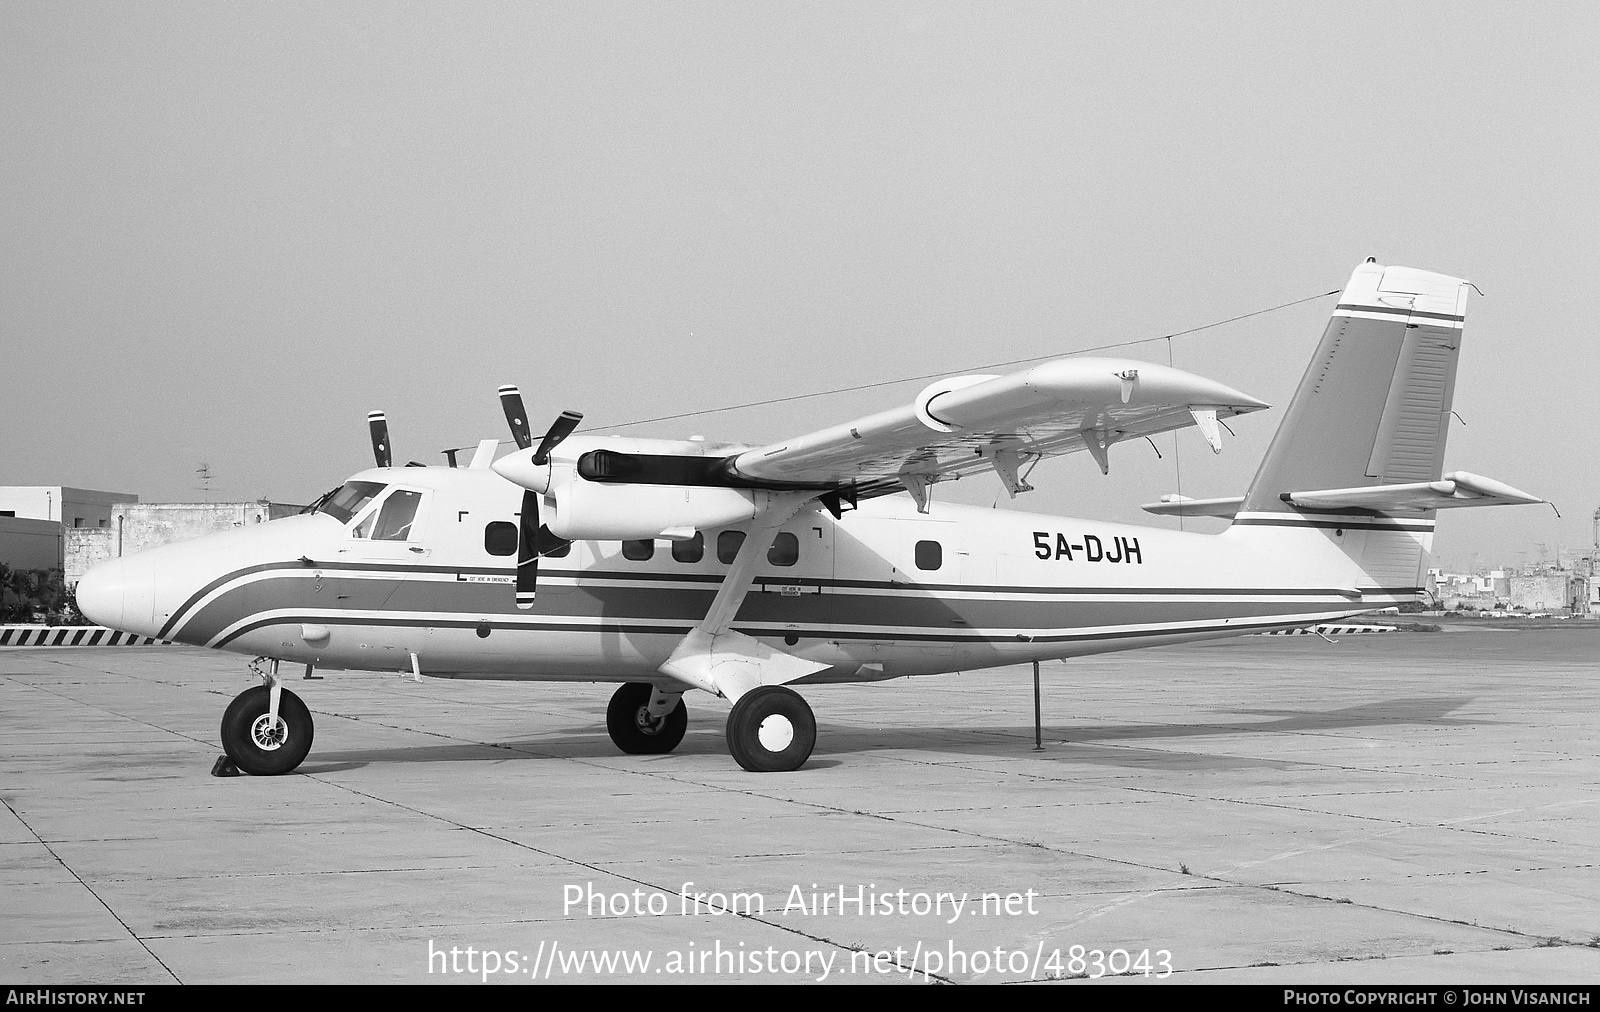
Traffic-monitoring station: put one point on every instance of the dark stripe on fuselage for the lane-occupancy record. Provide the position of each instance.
(1274, 622)
(910, 607)
(707, 583)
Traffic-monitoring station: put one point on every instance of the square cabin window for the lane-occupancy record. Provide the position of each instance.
(692, 550)
(930, 555)
(500, 538)
(785, 550)
(639, 551)
(728, 543)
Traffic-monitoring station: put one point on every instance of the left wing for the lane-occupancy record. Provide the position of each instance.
(967, 424)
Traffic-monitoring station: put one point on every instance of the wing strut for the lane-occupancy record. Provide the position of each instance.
(713, 656)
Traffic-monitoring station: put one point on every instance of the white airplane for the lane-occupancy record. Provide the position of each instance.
(671, 565)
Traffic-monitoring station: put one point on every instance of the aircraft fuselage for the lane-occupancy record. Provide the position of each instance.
(882, 592)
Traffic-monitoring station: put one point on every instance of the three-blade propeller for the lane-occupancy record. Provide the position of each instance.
(528, 529)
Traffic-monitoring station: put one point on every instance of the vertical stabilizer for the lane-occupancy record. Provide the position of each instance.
(1372, 409)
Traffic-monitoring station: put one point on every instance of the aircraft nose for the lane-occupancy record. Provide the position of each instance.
(120, 594)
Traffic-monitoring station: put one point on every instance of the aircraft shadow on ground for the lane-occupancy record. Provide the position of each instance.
(1091, 744)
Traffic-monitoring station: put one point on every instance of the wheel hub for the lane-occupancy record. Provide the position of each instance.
(269, 733)
(648, 724)
(775, 733)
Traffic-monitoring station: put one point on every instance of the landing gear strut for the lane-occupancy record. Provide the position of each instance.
(771, 730)
(260, 744)
(643, 720)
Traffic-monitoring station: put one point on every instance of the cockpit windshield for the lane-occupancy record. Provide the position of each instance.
(348, 500)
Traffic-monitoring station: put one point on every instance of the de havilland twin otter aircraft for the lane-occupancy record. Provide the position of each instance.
(670, 565)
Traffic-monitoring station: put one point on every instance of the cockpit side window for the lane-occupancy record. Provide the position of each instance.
(394, 521)
(347, 502)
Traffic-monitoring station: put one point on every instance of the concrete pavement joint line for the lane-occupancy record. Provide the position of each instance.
(1453, 825)
(51, 851)
(597, 869)
(1218, 878)
(66, 661)
(122, 716)
(1299, 808)
(1544, 939)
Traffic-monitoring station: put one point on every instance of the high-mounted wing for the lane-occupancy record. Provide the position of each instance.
(599, 488)
(967, 424)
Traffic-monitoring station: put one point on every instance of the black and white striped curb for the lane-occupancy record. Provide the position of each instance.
(1330, 630)
(70, 636)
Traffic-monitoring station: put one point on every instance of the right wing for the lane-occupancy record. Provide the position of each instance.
(967, 424)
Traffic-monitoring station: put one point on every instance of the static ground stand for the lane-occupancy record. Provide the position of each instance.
(1400, 808)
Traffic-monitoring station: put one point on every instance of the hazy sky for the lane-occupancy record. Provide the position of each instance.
(230, 230)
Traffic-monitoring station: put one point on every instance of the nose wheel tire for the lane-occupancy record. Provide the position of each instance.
(260, 745)
(635, 731)
(771, 730)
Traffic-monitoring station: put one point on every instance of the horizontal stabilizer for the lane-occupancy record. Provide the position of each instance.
(1459, 488)
(1183, 506)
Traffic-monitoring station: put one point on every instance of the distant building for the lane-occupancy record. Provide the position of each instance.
(32, 518)
(69, 507)
(30, 544)
(1475, 592)
(134, 527)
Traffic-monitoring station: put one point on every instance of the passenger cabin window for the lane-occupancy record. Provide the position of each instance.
(500, 538)
(930, 555)
(639, 551)
(692, 550)
(785, 550)
(728, 543)
(347, 502)
(395, 519)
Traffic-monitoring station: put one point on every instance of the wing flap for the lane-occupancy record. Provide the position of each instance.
(969, 424)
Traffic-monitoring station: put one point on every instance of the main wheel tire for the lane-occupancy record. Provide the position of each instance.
(635, 731)
(771, 730)
(257, 745)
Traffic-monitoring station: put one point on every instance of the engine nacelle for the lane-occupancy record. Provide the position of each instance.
(596, 511)
(944, 386)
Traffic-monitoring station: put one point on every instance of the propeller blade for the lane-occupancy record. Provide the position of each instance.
(516, 416)
(560, 429)
(378, 423)
(528, 550)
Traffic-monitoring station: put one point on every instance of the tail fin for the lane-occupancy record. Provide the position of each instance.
(1372, 409)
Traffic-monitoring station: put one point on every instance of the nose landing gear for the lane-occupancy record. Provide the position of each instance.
(261, 743)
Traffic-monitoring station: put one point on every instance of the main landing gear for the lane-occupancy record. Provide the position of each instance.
(261, 744)
(770, 729)
(643, 720)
